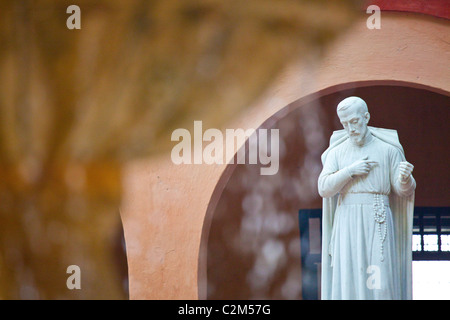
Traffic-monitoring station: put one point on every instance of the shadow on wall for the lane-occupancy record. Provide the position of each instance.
(253, 250)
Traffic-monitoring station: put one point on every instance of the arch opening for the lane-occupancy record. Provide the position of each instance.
(250, 246)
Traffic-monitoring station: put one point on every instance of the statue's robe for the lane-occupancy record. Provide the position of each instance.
(357, 263)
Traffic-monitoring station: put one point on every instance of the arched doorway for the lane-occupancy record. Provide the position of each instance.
(251, 240)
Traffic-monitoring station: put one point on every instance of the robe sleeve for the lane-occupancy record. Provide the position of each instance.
(401, 188)
(331, 179)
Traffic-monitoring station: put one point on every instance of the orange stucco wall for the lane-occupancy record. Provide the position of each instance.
(165, 206)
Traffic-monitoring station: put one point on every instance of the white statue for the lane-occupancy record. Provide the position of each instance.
(368, 202)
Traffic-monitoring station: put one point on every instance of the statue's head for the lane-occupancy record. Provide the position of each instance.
(354, 117)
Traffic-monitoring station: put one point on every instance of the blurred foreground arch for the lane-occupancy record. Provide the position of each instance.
(76, 105)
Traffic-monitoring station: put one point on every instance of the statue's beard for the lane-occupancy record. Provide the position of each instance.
(357, 138)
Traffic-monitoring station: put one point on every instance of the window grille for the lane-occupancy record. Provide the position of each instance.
(431, 233)
(430, 241)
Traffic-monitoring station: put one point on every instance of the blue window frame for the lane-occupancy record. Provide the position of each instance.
(431, 241)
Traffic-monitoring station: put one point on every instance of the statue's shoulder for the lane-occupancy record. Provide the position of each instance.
(382, 143)
(382, 147)
(333, 150)
(388, 138)
(337, 150)
(341, 146)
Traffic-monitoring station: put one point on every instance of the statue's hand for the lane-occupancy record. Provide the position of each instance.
(361, 167)
(405, 169)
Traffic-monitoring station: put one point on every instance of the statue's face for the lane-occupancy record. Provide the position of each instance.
(354, 121)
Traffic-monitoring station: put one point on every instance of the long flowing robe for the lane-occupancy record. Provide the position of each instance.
(351, 244)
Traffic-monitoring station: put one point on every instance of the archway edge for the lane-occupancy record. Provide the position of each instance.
(283, 112)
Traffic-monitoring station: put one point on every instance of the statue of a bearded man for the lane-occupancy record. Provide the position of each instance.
(368, 200)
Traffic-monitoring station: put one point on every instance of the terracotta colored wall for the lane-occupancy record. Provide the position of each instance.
(165, 206)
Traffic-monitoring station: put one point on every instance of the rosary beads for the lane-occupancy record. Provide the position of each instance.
(380, 218)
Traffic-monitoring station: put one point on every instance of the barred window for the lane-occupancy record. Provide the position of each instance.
(430, 241)
(431, 233)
